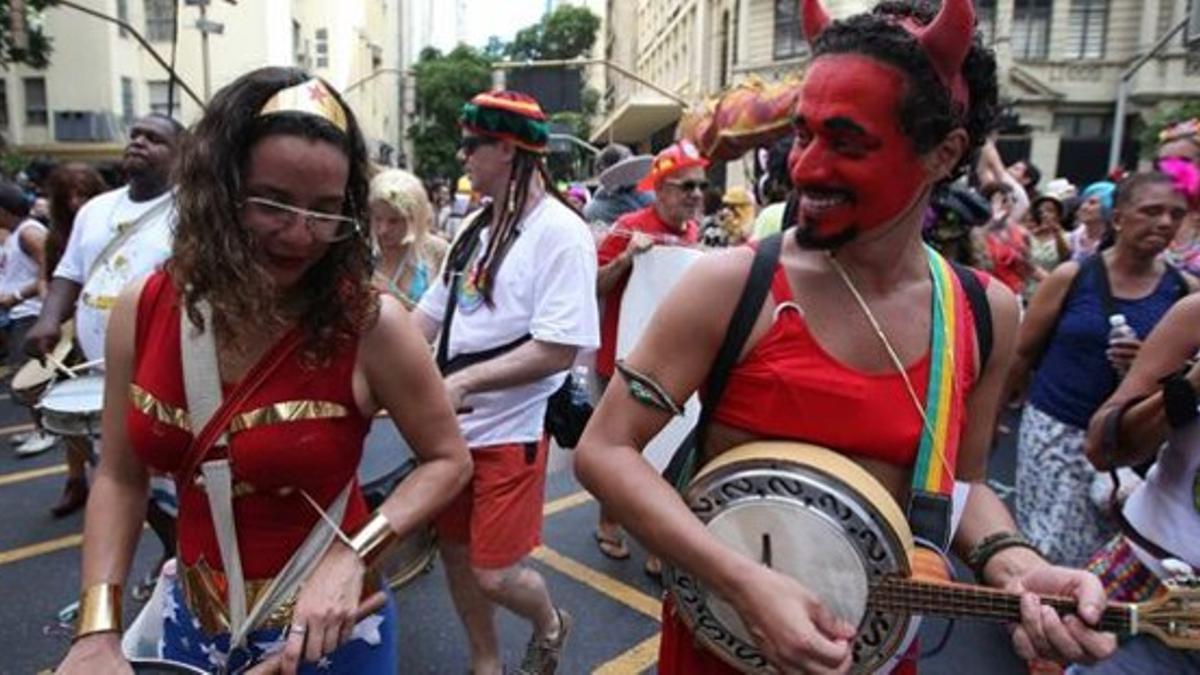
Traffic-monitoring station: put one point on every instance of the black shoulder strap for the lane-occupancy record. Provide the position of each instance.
(981, 310)
(1180, 281)
(442, 356)
(1105, 288)
(741, 322)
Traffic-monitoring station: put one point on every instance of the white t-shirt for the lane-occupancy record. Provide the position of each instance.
(101, 219)
(18, 269)
(546, 288)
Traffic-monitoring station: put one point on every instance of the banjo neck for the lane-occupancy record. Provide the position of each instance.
(951, 600)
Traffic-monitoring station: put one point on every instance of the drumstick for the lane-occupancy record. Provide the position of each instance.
(58, 365)
(87, 364)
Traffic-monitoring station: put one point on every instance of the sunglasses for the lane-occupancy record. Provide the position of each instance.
(274, 216)
(469, 144)
(688, 185)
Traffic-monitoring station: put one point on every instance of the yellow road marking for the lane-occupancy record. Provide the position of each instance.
(25, 552)
(569, 502)
(21, 476)
(637, 659)
(16, 429)
(617, 590)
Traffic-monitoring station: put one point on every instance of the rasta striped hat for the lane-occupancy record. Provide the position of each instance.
(507, 115)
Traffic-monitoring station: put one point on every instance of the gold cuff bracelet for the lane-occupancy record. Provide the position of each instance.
(99, 610)
(372, 539)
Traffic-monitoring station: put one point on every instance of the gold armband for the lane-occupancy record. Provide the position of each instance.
(372, 539)
(99, 610)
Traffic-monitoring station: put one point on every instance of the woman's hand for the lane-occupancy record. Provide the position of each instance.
(1122, 351)
(794, 630)
(96, 653)
(326, 608)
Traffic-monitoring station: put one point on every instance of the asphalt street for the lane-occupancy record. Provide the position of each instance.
(614, 603)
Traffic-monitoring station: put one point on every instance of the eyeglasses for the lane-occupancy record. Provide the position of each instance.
(326, 227)
(688, 185)
(469, 144)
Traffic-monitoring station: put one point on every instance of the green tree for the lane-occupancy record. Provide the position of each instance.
(1149, 137)
(32, 47)
(444, 83)
(566, 33)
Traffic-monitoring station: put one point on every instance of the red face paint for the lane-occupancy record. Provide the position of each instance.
(852, 165)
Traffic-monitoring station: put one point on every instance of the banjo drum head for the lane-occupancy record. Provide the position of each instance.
(808, 513)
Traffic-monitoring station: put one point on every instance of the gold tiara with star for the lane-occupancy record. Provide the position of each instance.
(311, 98)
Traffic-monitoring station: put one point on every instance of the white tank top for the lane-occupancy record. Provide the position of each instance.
(1166, 508)
(17, 270)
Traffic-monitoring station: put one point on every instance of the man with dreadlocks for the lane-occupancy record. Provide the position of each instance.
(514, 305)
(855, 317)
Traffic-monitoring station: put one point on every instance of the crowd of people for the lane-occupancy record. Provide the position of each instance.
(258, 292)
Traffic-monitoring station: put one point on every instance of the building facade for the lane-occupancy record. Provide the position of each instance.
(100, 77)
(1060, 63)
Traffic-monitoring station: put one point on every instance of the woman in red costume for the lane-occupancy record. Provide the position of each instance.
(250, 368)
(892, 106)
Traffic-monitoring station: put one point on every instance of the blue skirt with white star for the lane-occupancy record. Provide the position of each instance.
(370, 650)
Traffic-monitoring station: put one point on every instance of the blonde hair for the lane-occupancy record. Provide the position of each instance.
(404, 192)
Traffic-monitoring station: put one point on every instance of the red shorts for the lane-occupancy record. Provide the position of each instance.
(680, 654)
(498, 515)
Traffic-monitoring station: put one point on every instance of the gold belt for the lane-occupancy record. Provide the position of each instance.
(204, 592)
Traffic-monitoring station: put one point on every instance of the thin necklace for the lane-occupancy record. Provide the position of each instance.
(891, 352)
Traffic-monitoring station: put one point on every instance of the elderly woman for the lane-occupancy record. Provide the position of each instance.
(401, 221)
(250, 369)
(1065, 343)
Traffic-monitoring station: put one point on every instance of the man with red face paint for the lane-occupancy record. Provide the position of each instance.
(892, 106)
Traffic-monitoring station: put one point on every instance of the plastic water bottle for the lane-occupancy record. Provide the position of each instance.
(1119, 329)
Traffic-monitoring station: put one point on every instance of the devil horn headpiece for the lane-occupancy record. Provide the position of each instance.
(946, 40)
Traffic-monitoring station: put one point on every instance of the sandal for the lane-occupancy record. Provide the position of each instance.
(613, 547)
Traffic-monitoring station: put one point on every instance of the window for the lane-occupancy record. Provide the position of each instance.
(36, 114)
(1086, 28)
(160, 100)
(127, 112)
(160, 20)
(123, 15)
(3, 104)
(1031, 28)
(1088, 125)
(985, 14)
(789, 38)
(322, 47)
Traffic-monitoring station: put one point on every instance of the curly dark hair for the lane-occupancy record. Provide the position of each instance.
(215, 258)
(926, 114)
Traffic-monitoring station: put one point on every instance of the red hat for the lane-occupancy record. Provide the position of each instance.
(675, 157)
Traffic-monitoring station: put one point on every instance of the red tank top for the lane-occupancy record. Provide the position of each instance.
(789, 387)
(301, 430)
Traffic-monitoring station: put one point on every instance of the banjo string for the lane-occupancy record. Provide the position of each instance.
(891, 352)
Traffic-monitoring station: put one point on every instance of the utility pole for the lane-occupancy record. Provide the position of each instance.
(1123, 87)
(205, 27)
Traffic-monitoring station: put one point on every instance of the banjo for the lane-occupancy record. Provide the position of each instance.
(772, 501)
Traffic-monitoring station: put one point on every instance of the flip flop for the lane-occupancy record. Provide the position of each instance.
(613, 547)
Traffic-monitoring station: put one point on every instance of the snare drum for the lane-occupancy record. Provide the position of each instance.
(72, 407)
(163, 667)
(383, 467)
